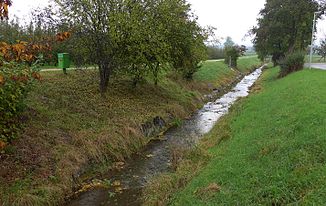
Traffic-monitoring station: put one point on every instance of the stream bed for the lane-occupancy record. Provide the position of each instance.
(133, 176)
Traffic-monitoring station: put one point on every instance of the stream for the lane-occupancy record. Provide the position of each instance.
(156, 158)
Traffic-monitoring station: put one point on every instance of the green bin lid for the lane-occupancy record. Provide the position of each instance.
(62, 54)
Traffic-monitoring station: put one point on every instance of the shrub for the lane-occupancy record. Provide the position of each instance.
(15, 82)
(291, 63)
(190, 68)
(231, 56)
(233, 53)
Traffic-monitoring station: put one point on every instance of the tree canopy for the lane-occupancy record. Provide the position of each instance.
(285, 26)
(135, 37)
(228, 42)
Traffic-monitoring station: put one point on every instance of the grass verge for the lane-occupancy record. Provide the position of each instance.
(273, 149)
(70, 126)
(315, 59)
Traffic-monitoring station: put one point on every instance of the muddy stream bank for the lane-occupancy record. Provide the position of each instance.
(133, 176)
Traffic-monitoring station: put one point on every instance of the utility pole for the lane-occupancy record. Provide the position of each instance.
(312, 37)
(230, 62)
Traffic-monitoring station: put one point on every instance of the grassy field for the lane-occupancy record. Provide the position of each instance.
(214, 72)
(273, 149)
(315, 59)
(70, 128)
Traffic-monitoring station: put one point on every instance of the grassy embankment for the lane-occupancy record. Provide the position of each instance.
(272, 150)
(69, 126)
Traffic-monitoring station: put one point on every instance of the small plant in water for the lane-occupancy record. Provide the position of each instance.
(176, 122)
(106, 183)
(111, 194)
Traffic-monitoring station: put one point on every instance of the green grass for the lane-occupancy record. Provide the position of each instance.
(70, 124)
(74, 124)
(72, 66)
(49, 67)
(273, 150)
(215, 71)
(248, 62)
(250, 53)
(315, 59)
(212, 71)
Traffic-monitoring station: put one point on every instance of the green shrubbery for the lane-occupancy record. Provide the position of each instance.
(232, 53)
(291, 63)
(15, 82)
(231, 56)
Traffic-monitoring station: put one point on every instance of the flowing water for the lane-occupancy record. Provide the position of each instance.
(156, 158)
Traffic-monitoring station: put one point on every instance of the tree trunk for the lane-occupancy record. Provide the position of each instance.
(156, 71)
(105, 72)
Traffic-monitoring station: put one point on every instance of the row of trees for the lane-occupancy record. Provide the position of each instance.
(126, 37)
(134, 37)
(230, 52)
(215, 52)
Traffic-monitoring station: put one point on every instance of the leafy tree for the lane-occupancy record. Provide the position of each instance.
(11, 31)
(232, 53)
(284, 26)
(136, 37)
(228, 42)
(186, 38)
(96, 23)
(144, 48)
(44, 24)
(321, 50)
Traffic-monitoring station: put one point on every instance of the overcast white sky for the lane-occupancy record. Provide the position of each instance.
(231, 17)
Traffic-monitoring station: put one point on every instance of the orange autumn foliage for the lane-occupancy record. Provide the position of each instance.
(17, 73)
(22, 51)
(2, 80)
(63, 36)
(4, 5)
(29, 51)
(2, 145)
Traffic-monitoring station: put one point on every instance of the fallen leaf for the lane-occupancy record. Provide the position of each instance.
(119, 165)
(2, 80)
(118, 189)
(213, 187)
(2, 145)
(116, 183)
(208, 192)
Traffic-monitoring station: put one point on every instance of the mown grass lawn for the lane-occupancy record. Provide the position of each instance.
(275, 150)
